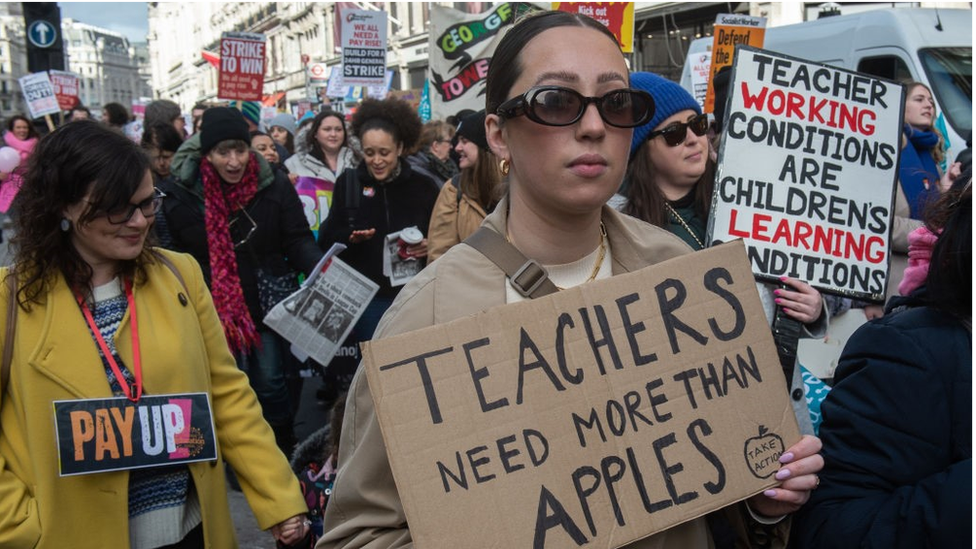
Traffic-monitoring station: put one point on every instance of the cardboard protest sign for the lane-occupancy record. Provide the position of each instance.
(807, 168)
(731, 30)
(616, 16)
(363, 47)
(98, 435)
(460, 46)
(65, 86)
(39, 94)
(241, 66)
(599, 415)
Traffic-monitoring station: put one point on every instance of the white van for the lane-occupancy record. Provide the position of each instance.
(923, 44)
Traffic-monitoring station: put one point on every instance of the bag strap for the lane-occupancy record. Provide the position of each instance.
(169, 264)
(8, 338)
(354, 195)
(528, 278)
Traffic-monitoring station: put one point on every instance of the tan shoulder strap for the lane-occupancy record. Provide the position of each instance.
(8, 338)
(528, 277)
(169, 264)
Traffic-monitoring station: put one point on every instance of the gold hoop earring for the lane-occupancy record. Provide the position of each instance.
(505, 166)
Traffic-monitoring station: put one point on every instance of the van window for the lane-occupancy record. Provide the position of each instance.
(891, 67)
(950, 72)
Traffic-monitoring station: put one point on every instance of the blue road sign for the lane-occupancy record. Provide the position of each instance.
(42, 34)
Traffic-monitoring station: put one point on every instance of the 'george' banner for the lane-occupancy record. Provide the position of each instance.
(807, 171)
(241, 66)
(461, 45)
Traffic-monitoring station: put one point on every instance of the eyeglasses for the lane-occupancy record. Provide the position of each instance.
(149, 207)
(674, 134)
(250, 232)
(559, 106)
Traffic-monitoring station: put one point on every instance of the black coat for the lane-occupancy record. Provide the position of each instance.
(406, 201)
(897, 439)
(281, 243)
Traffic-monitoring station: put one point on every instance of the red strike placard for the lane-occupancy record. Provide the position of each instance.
(241, 66)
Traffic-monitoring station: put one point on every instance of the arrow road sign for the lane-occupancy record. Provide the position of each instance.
(42, 34)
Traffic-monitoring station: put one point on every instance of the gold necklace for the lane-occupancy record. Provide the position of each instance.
(683, 224)
(599, 258)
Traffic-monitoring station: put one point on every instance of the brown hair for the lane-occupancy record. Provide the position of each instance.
(483, 181)
(645, 200)
(66, 164)
(938, 151)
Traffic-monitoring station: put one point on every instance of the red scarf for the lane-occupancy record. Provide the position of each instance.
(219, 200)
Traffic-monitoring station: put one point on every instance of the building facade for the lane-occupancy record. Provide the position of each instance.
(13, 58)
(299, 33)
(106, 63)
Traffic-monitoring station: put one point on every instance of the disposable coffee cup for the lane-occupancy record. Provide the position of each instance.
(411, 236)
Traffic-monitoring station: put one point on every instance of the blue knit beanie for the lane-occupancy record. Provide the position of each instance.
(669, 98)
(251, 110)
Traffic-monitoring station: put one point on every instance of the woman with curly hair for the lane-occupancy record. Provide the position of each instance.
(114, 318)
(383, 195)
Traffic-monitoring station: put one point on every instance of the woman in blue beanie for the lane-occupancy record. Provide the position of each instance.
(670, 178)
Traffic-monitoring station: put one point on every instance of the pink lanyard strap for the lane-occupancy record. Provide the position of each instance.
(136, 355)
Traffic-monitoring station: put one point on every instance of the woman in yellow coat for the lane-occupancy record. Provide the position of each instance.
(101, 315)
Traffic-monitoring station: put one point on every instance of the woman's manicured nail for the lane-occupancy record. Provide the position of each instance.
(770, 493)
(783, 474)
(786, 458)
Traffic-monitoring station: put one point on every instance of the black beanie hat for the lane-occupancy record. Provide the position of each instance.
(220, 124)
(472, 128)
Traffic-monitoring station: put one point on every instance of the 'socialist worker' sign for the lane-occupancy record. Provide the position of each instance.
(807, 172)
(598, 415)
(241, 66)
(363, 47)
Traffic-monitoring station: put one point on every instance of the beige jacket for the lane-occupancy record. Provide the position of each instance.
(365, 509)
(903, 224)
(452, 221)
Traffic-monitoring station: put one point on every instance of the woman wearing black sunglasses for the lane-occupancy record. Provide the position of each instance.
(669, 184)
(669, 180)
(560, 112)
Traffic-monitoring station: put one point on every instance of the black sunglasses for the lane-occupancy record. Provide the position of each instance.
(250, 231)
(149, 207)
(674, 134)
(559, 106)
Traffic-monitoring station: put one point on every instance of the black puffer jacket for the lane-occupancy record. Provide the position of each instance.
(281, 243)
(897, 438)
(403, 202)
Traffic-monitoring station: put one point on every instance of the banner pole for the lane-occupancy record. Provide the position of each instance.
(50, 123)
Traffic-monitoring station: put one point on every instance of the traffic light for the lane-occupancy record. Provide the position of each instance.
(45, 48)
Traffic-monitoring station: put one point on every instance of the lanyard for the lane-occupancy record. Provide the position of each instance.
(136, 356)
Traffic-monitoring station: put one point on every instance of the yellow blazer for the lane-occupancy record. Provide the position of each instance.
(183, 350)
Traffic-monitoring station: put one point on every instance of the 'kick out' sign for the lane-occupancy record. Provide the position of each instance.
(98, 435)
(807, 169)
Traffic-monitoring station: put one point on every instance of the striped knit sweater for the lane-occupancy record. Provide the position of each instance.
(162, 505)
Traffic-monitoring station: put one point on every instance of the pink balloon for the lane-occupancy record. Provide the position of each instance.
(9, 159)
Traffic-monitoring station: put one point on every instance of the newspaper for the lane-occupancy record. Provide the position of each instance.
(319, 316)
(398, 269)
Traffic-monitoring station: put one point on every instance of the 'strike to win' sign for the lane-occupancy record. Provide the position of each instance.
(598, 415)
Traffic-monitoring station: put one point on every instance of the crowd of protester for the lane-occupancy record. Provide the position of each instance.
(99, 223)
